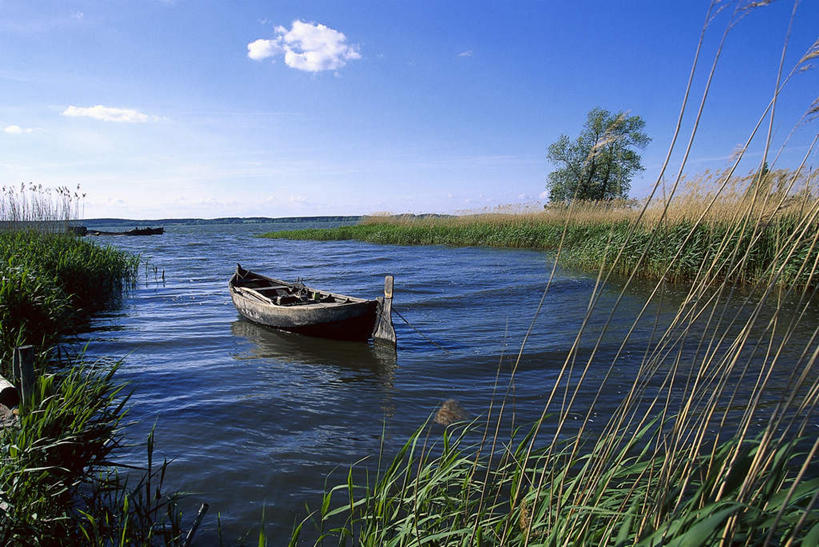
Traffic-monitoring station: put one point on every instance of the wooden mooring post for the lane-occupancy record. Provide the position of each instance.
(384, 331)
(23, 370)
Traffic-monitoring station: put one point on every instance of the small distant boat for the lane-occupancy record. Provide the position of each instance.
(145, 232)
(134, 232)
(297, 308)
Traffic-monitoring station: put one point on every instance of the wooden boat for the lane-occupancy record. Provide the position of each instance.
(297, 308)
(134, 232)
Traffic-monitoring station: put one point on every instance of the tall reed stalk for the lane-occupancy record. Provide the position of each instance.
(34, 206)
(714, 440)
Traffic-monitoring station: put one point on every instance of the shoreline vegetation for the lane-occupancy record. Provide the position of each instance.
(753, 213)
(700, 450)
(58, 483)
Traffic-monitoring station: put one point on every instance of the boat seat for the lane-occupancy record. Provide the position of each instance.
(280, 289)
(287, 300)
(257, 284)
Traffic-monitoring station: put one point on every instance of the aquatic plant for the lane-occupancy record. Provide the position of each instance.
(34, 206)
(57, 482)
(48, 282)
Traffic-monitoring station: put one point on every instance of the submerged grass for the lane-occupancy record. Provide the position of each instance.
(712, 442)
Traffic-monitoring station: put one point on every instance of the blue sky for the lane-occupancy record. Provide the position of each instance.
(161, 108)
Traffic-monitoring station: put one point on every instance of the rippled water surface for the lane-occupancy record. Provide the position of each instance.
(254, 417)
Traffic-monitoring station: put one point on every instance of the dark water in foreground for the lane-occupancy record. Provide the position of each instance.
(255, 418)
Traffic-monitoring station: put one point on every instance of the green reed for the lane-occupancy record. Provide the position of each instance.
(700, 449)
(441, 494)
(49, 282)
(58, 484)
(57, 481)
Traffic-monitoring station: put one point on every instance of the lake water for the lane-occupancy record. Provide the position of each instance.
(255, 418)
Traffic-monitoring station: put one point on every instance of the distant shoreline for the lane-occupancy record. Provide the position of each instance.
(92, 222)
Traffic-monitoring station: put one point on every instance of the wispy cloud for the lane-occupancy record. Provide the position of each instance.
(41, 23)
(16, 130)
(108, 114)
(311, 47)
(467, 53)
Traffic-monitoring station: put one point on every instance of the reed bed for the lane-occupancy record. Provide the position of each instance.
(58, 485)
(712, 442)
(586, 232)
(43, 208)
(49, 282)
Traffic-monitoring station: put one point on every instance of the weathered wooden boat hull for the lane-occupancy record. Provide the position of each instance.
(351, 323)
(346, 318)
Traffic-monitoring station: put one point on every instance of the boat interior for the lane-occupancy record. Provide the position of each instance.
(288, 295)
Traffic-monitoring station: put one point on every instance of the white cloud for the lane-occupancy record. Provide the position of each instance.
(311, 47)
(16, 130)
(262, 49)
(107, 114)
(467, 53)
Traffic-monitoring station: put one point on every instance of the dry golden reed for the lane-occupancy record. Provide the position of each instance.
(720, 197)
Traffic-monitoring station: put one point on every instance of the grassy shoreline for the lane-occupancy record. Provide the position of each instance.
(591, 246)
(758, 226)
(57, 481)
(50, 282)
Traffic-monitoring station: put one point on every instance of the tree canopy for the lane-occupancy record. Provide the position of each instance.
(601, 162)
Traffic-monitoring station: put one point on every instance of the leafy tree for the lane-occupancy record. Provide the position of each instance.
(598, 165)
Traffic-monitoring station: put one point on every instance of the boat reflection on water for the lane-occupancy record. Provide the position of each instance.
(284, 346)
